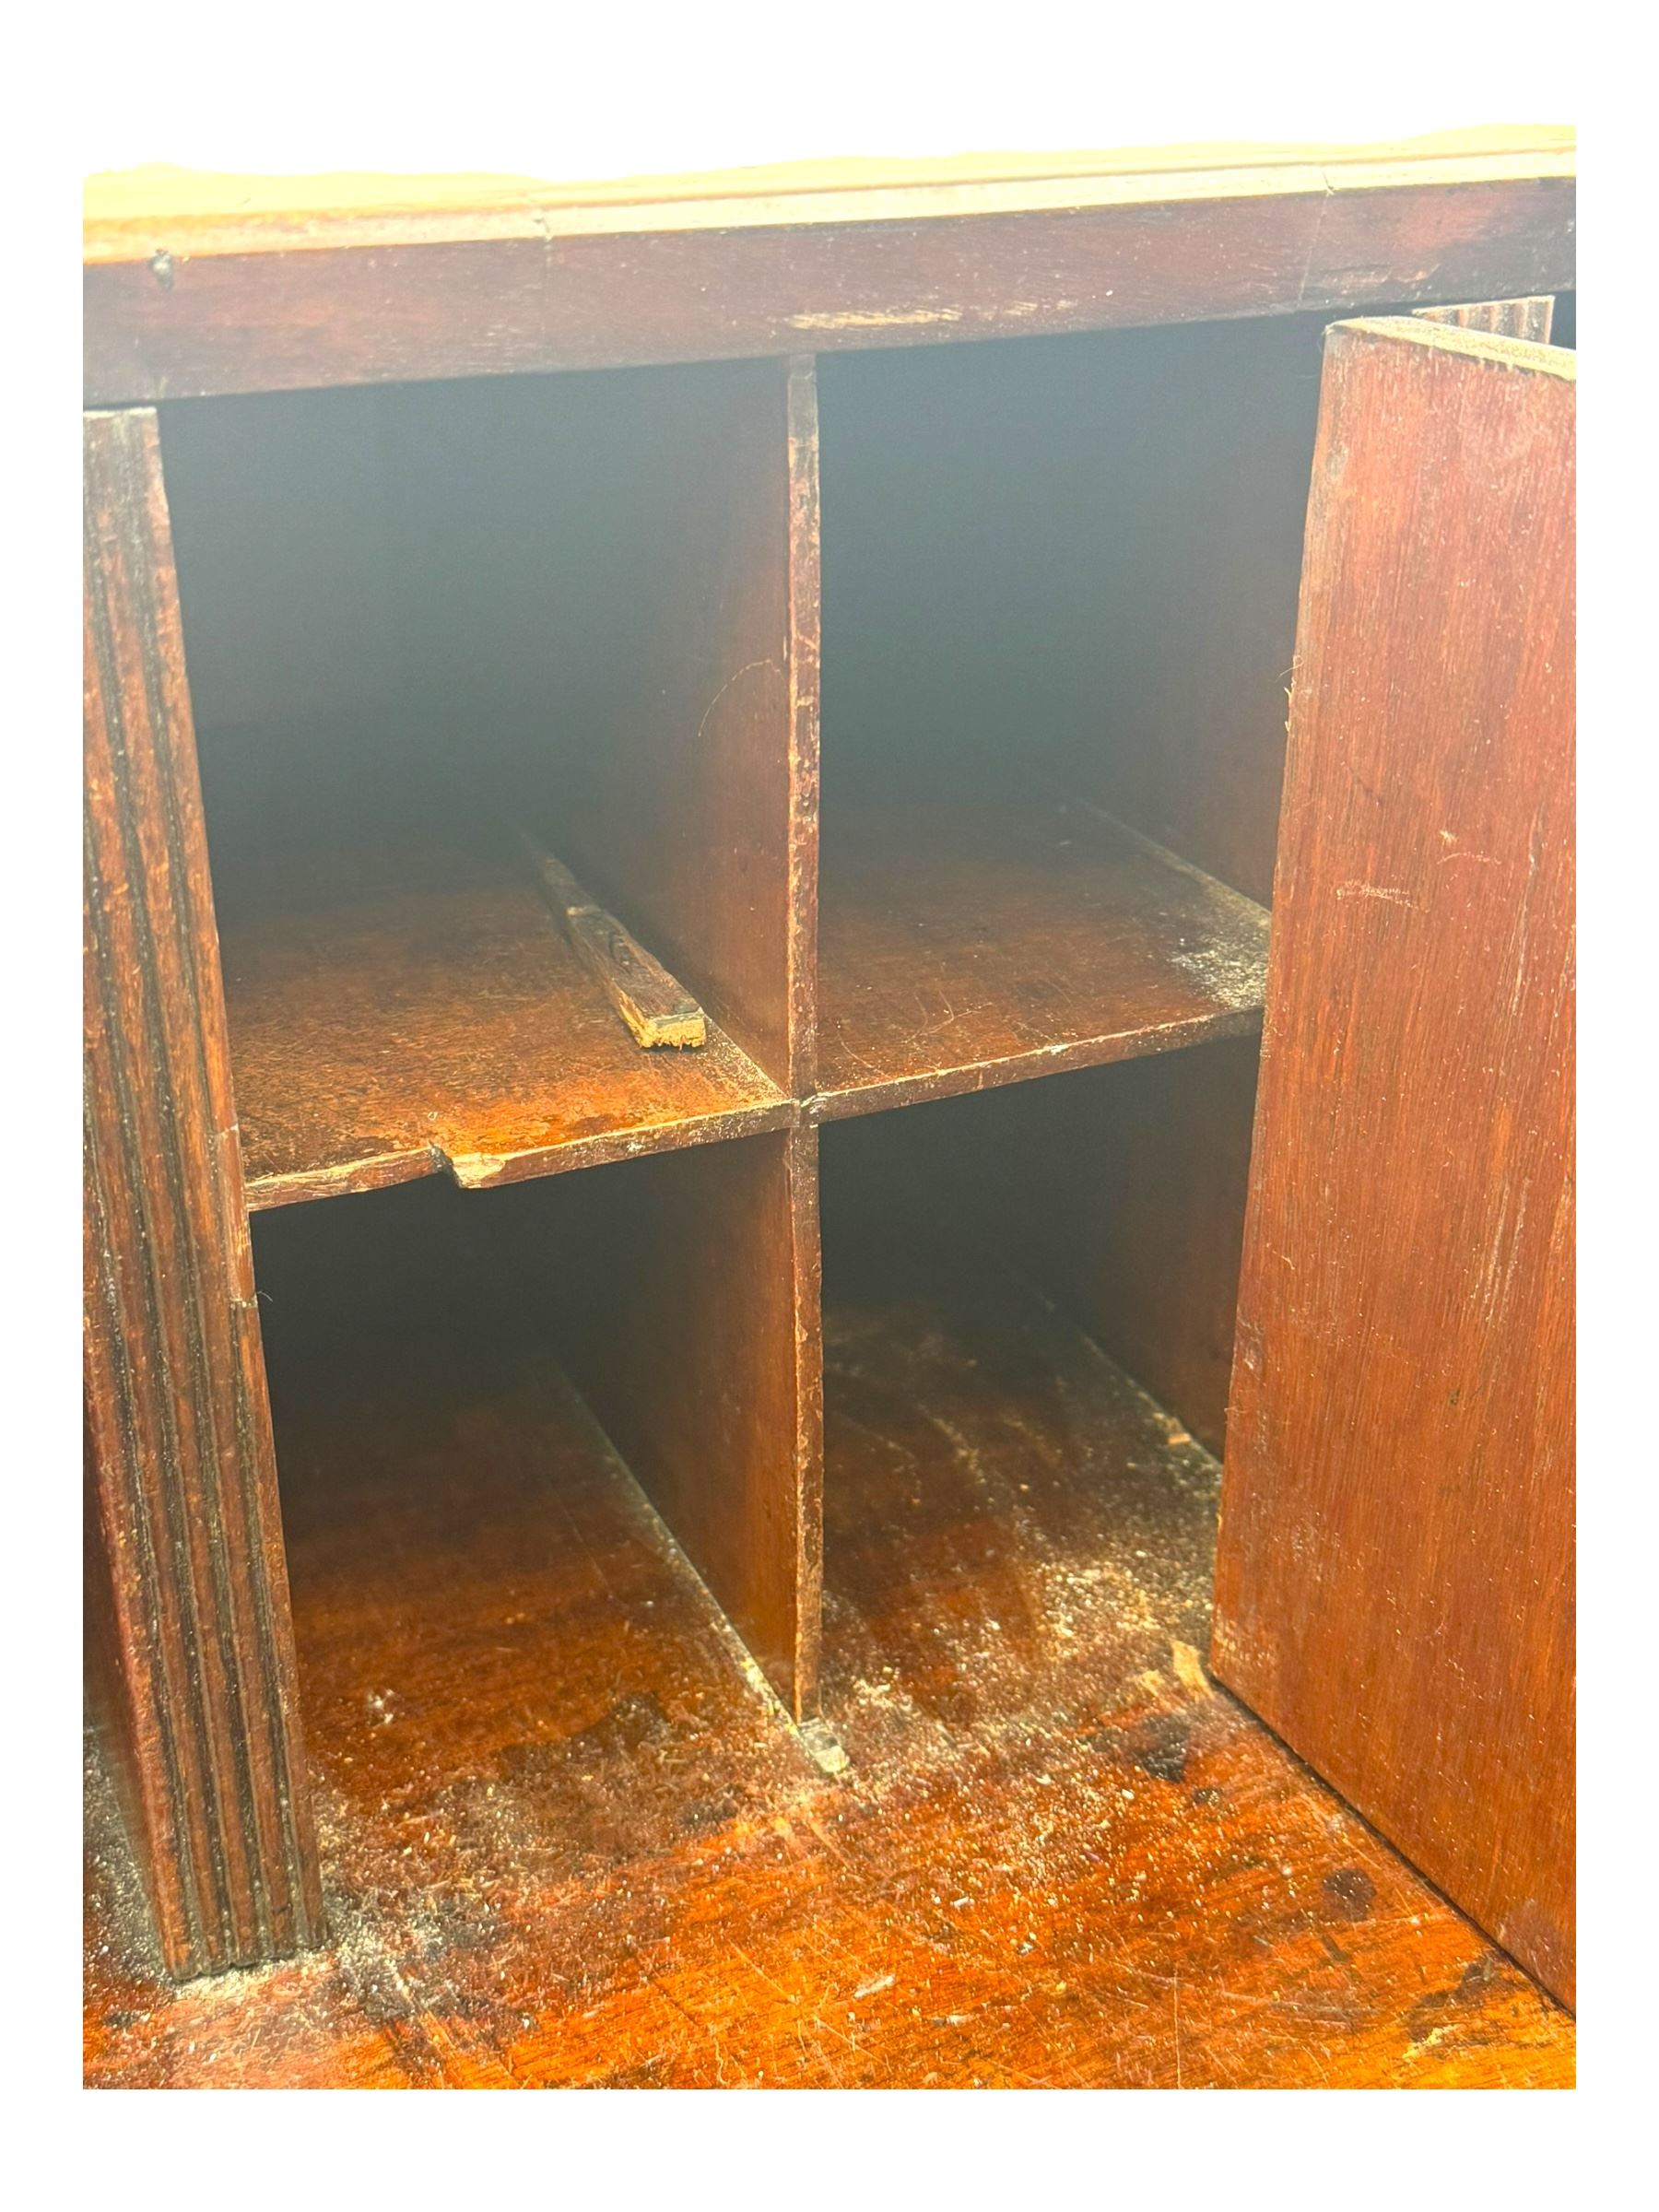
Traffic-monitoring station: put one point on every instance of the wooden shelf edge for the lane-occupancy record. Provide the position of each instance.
(484, 1172)
(1026, 1067)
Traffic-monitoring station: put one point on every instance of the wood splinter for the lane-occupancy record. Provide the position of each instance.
(655, 1008)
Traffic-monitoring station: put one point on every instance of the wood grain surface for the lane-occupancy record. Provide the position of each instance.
(1395, 1588)
(684, 1292)
(568, 1842)
(483, 292)
(194, 1673)
(416, 1011)
(1050, 591)
(967, 945)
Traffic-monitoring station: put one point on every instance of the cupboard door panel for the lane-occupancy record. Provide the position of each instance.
(1395, 1583)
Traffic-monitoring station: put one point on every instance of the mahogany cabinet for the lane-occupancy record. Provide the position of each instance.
(510, 629)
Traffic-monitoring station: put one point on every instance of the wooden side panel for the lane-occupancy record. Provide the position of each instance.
(1394, 1588)
(1142, 1249)
(189, 1596)
(185, 326)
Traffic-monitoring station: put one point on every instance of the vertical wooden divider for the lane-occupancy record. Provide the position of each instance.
(805, 626)
(187, 1591)
(806, 632)
(688, 1285)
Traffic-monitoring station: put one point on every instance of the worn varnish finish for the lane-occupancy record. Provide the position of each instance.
(1056, 614)
(187, 1589)
(568, 1842)
(805, 657)
(1395, 1587)
(418, 1011)
(966, 946)
(478, 296)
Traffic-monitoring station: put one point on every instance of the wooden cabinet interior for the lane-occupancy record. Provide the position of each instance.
(423, 621)
(1051, 585)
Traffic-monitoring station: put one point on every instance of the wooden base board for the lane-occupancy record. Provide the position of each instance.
(569, 1840)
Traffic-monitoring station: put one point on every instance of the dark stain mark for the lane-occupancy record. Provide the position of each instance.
(631, 1723)
(1158, 1746)
(1349, 1893)
(1162, 1749)
(1441, 2007)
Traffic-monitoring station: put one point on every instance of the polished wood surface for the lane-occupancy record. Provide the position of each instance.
(194, 1670)
(415, 1010)
(962, 945)
(182, 305)
(568, 1842)
(1396, 1579)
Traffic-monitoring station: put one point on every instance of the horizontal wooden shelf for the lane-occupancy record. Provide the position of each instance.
(962, 946)
(416, 1012)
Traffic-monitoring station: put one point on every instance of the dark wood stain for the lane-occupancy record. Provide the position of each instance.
(188, 1594)
(413, 1011)
(1395, 1579)
(883, 1755)
(266, 322)
(961, 947)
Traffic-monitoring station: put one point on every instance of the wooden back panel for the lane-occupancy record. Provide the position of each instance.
(1073, 560)
(1394, 1587)
(1118, 1191)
